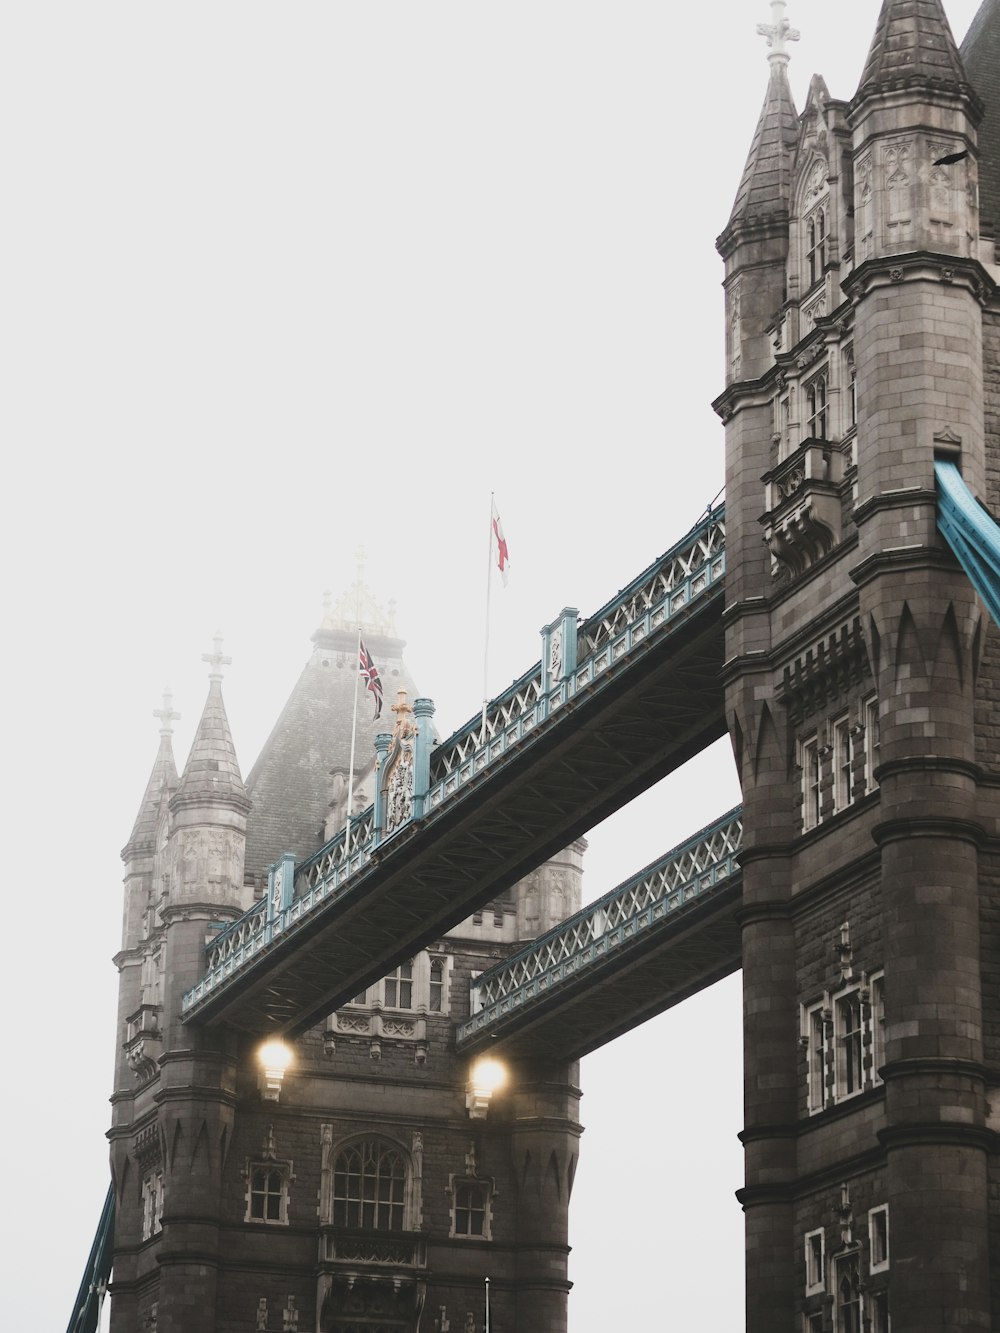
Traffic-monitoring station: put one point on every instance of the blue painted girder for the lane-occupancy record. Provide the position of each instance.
(87, 1306)
(971, 533)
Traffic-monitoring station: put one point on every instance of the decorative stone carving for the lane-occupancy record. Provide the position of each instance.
(802, 521)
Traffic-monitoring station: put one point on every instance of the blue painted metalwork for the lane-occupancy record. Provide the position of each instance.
(971, 533)
(620, 633)
(685, 875)
(87, 1306)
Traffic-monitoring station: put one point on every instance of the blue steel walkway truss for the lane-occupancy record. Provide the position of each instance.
(635, 692)
(663, 934)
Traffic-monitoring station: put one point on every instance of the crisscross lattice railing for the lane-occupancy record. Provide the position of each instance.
(663, 889)
(651, 603)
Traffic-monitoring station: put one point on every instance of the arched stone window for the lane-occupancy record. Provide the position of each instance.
(369, 1186)
(268, 1194)
(816, 245)
(816, 408)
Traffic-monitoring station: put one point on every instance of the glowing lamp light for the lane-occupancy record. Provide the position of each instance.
(485, 1078)
(275, 1056)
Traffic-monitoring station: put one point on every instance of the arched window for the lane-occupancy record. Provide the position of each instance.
(369, 1187)
(816, 408)
(816, 245)
(848, 1294)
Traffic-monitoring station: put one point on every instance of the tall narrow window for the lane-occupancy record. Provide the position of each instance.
(848, 1294)
(399, 987)
(852, 395)
(814, 1263)
(816, 415)
(879, 1312)
(849, 1036)
(470, 1208)
(878, 1026)
(878, 1239)
(871, 742)
(816, 245)
(152, 1204)
(810, 782)
(369, 1187)
(843, 763)
(816, 1036)
(435, 1000)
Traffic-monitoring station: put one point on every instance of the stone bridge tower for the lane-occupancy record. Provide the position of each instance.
(861, 320)
(370, 1187)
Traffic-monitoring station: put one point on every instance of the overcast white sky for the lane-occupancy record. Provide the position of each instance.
(282, 278)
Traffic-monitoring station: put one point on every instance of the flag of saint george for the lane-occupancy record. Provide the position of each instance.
(373, 682)
(503, 558)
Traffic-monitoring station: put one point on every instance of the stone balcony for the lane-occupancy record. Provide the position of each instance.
(802, 521)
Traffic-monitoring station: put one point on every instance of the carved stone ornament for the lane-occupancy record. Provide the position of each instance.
(399, 767)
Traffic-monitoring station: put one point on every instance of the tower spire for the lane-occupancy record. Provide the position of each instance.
(912, 47)
(764, 187)
(212, 773)
(162, 781)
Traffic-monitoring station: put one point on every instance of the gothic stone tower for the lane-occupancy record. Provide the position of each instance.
(367, 1191)
(862, 320)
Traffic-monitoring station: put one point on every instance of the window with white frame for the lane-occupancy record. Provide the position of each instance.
(809, 761)
(877, 1023)
(267, 1193)
(813, 1323)
(152, 1203)
(849, 1041)
(815, 1262)
(816, 1036)
(420, 984)
(847, 1293)
(844, 1040)
(878, 1312)
(816, 408)
(843, 763)
(871, 741)
(397, 988)
(471, 1208)
(369, 1186)
(878, 1239)
(816, 244)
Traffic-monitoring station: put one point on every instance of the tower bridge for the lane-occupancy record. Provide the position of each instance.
(839, 636)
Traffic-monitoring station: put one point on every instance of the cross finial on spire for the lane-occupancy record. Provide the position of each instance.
(216, 659)
(778, 32)
(166, 714)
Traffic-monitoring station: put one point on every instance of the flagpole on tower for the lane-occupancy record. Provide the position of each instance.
(354, 733)
(486, 642)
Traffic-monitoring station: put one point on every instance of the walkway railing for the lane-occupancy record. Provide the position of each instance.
(575, 658)
(663, 890)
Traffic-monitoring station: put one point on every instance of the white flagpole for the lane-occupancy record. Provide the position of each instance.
(354, 733)
(486, 643)
(487, 1328)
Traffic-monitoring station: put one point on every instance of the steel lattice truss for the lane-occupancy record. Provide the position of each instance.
(548, 768)
(531, 1003)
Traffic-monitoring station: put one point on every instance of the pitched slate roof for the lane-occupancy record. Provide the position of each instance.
(161, 784)
(290, 785)
(912, 46)
(212, 774)
(764, 187)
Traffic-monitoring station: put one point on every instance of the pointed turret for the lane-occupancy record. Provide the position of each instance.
(912, 47)
(161, 785)
(212, 773)
(755, 241)
(764, 186)
(209, 809)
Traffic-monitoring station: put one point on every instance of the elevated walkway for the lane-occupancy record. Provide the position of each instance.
(614, 704)
(662, 935)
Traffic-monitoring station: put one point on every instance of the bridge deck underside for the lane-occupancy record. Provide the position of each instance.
(681, 955)
(644, 720)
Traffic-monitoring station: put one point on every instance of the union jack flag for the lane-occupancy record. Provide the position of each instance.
(373, 682)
